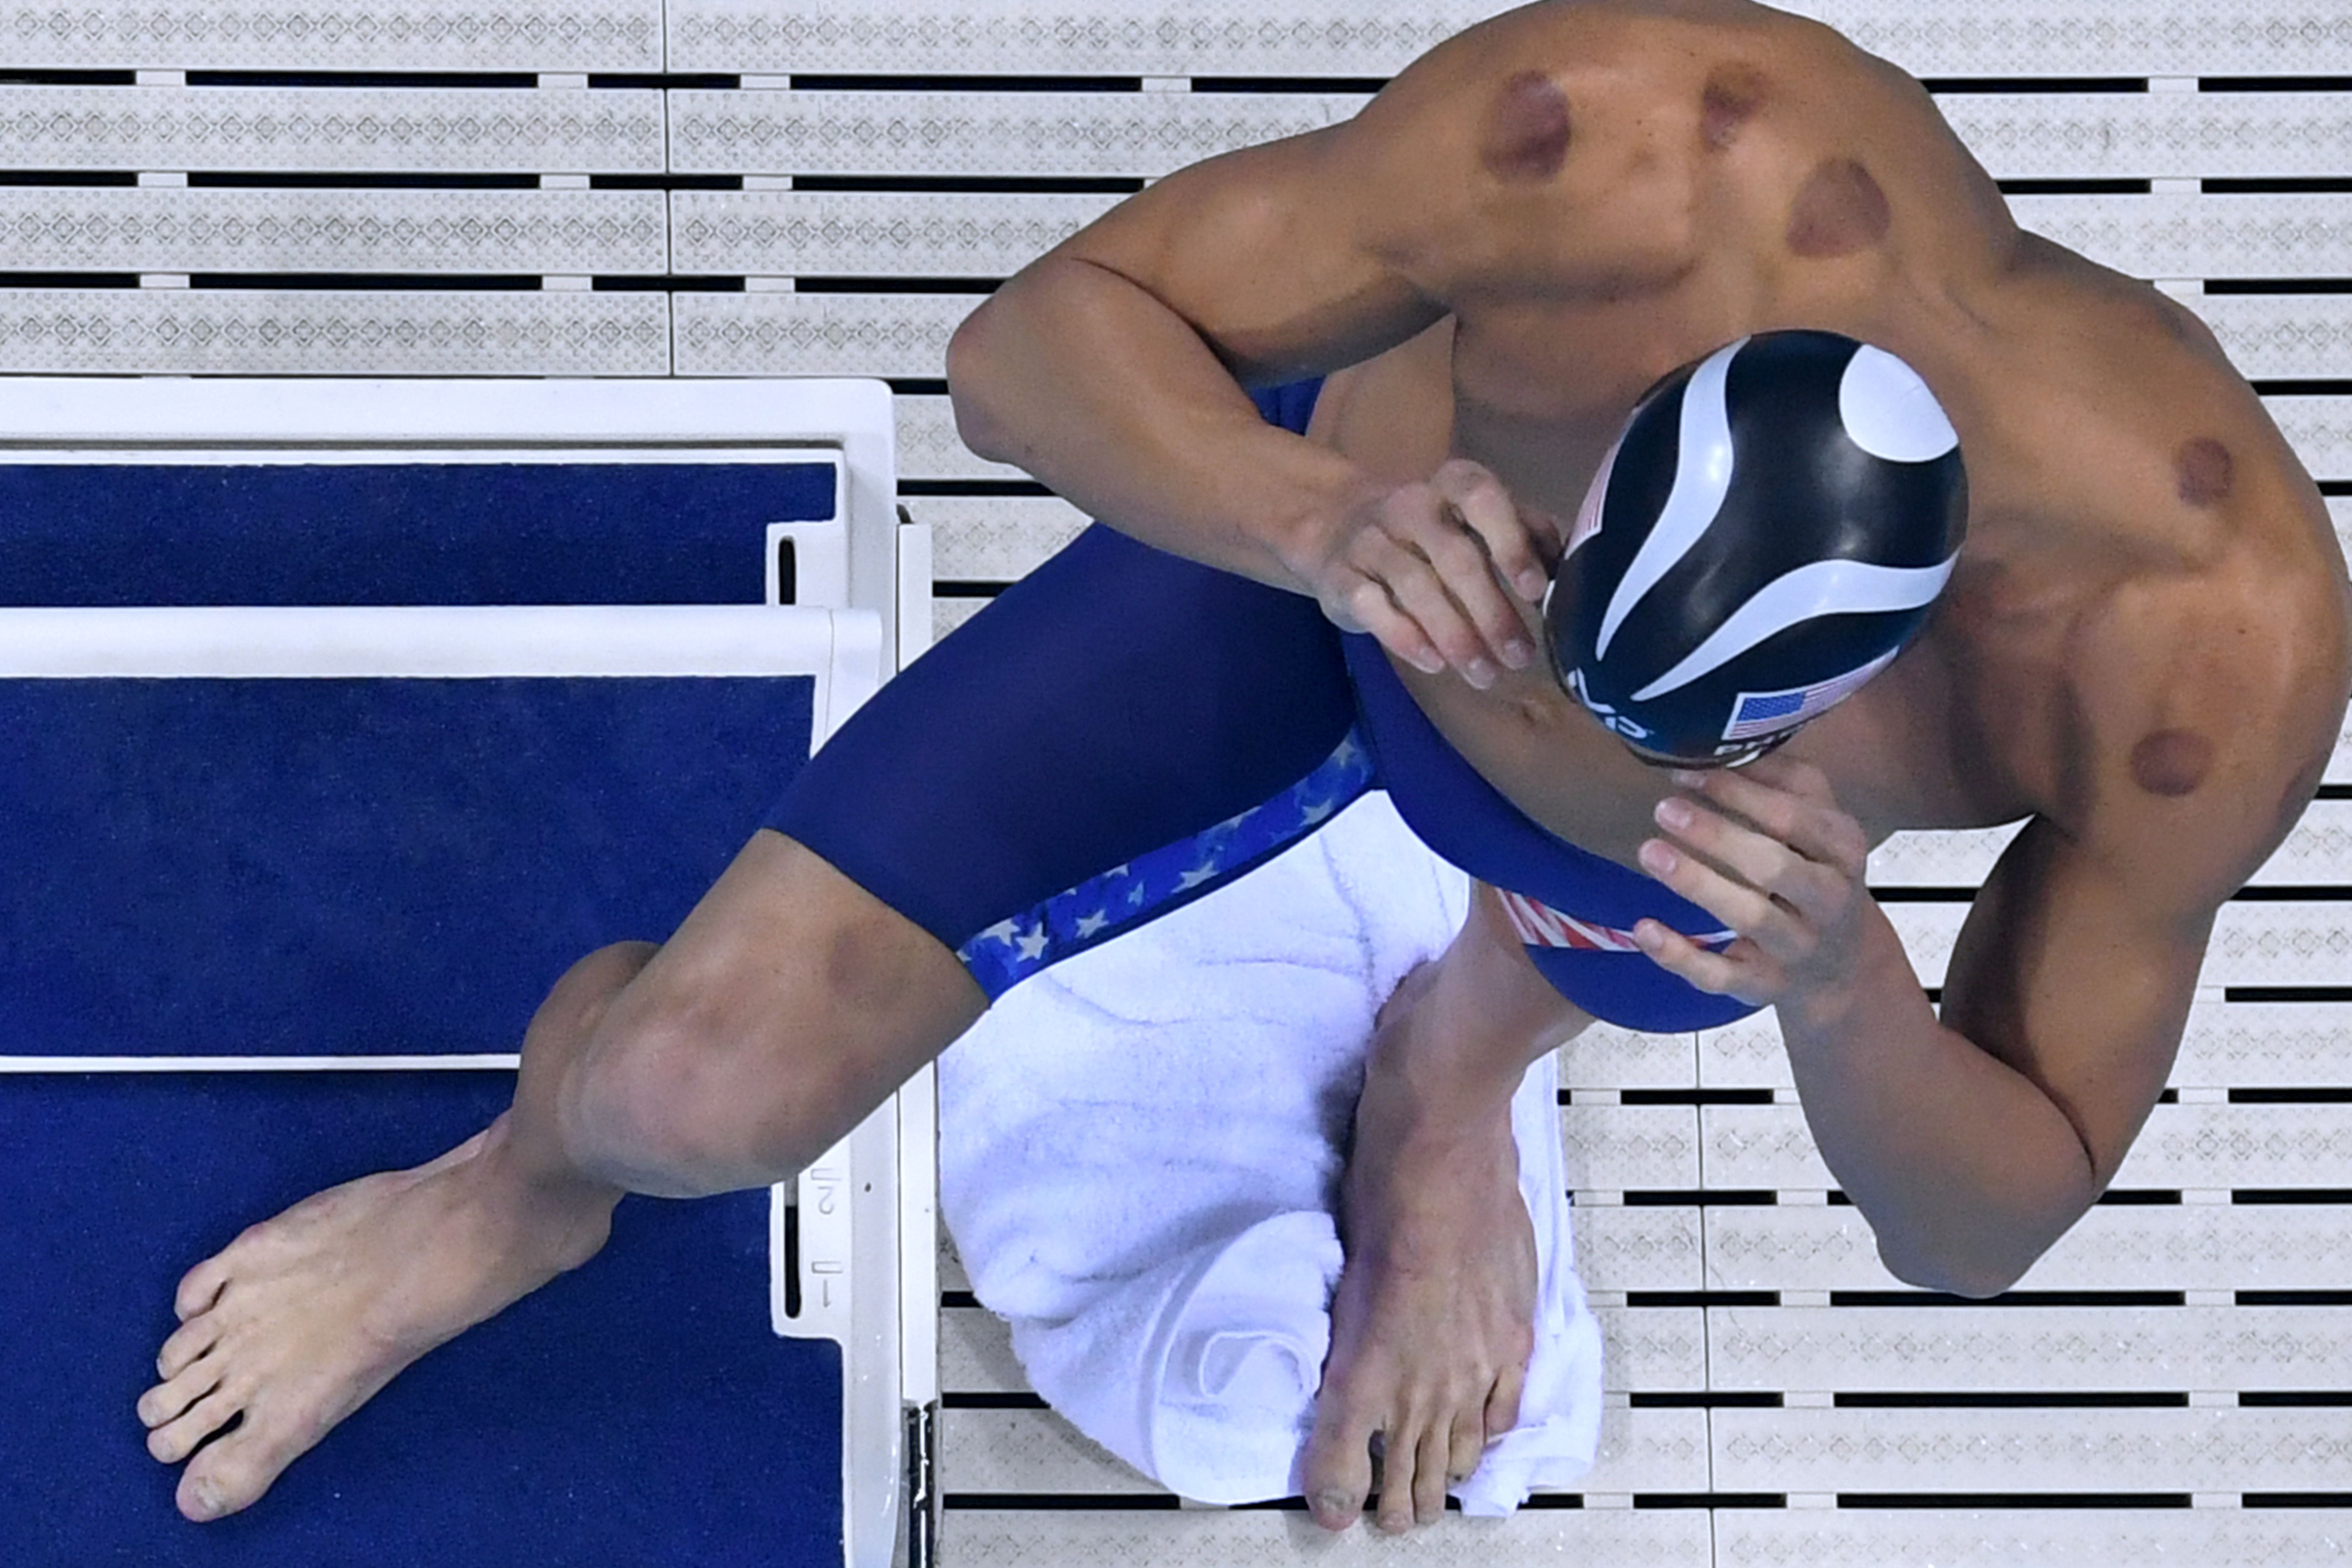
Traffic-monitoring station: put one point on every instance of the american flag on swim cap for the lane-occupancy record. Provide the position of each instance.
(1540, 925)
(1759, 713)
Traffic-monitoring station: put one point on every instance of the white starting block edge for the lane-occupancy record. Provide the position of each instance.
(45, 418)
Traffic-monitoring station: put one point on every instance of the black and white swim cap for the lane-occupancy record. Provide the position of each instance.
(1769, 531)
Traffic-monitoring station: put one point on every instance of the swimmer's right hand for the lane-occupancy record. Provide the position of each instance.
(1439, 570)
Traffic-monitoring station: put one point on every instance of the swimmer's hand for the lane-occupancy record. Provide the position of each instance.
(1442, 572)
(1767, 850)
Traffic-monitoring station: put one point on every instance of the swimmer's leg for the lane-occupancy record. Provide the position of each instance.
(789, 1003)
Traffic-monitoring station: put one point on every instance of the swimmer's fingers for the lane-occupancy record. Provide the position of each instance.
(1521, 544)
(1784, 872)
(1417, 565)
(1742, 970)
(1792, 803)
(1363, 604)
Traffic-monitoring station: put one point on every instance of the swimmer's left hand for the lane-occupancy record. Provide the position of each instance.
(1767, 850)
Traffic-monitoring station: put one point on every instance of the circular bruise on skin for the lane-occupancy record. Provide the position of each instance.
(1733, 95)
(1840, 211)
(2171, 762)
(1528, 130)
(2203, 471)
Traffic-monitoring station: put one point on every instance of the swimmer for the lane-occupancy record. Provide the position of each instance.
(2143, 650)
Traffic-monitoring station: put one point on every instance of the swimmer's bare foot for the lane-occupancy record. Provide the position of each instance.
(1433, 1319)
(303, 1318)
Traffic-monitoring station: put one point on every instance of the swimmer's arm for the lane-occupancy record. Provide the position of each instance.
(1973, 1142)
(1486, 1017)
(1112, 367)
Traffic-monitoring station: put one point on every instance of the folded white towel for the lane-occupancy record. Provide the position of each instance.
(1139, 1157)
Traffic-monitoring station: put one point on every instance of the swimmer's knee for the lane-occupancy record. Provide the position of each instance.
(699, 1080)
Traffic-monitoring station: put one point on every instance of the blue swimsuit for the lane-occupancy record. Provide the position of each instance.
(1123, 731)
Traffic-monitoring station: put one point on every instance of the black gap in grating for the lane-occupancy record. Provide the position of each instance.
(960, 588)
(977, 185)
(665, 182)
(1838, 1200)
(240, 181)
(1702, 1297)
(2139, 1197)
(2268, 386)
(1969, 84)
(2295, 1499)
(2335, 487)
(972, 487)
(2278, 185)
(2279, 285)
(1012, 1401)
(706, 81)
(1691, 1096)
(792, 1257)
(2013, 1500)
(1288, 83)
(1552, 1500)
(2169, 1096)
(2274, 84)
(2076, 188)
(2297, 1399)
(918, 385)
(897, 285)
(508, 79)
(1055, 1502)
(1935, 995)
(371, 282)
(2287, 993)
(958, 1299)
(1664, 1198)
(1707, 1399)
(65, 177)
(2335, 792)
(1923, 895)
(2013, 1401)
(2292, 894)
(2281, 1197)
(69, 281)
(1710, 1500)
(2009, 1299)
(21, 76)
(2295, 1298)
(828, 82)
(2291, 1097)
(666, 285)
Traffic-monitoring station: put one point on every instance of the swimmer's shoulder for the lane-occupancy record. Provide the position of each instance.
(2205, 681)
(1664, 135)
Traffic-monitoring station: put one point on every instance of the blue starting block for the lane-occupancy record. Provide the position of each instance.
(336, 719)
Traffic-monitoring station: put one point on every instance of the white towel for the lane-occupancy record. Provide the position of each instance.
(1140, 1158)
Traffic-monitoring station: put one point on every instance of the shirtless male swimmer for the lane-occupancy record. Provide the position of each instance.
(2144, 649)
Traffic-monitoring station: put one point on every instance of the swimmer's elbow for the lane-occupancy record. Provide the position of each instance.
(974, 365)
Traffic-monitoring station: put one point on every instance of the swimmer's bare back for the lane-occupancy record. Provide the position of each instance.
(2146, 650)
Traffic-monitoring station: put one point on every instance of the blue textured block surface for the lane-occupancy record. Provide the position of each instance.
(397, 533)
(638, 1411)
(314, 867)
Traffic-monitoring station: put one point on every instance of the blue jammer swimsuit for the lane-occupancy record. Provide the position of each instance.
(1123, 731)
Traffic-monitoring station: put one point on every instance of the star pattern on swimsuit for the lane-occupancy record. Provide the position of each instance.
(1128, 895)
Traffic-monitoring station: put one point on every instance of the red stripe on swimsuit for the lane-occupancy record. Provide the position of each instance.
(1540, 925)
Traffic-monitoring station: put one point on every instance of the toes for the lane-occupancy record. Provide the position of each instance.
(200, 1288)
(179, 1438)
(1466, 1446)
(1397, 1473)
(231, 1475)
(1339, 1467)
(1503, 1404)
(169, 1400)
(1429, 1475)
(187, 1345)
